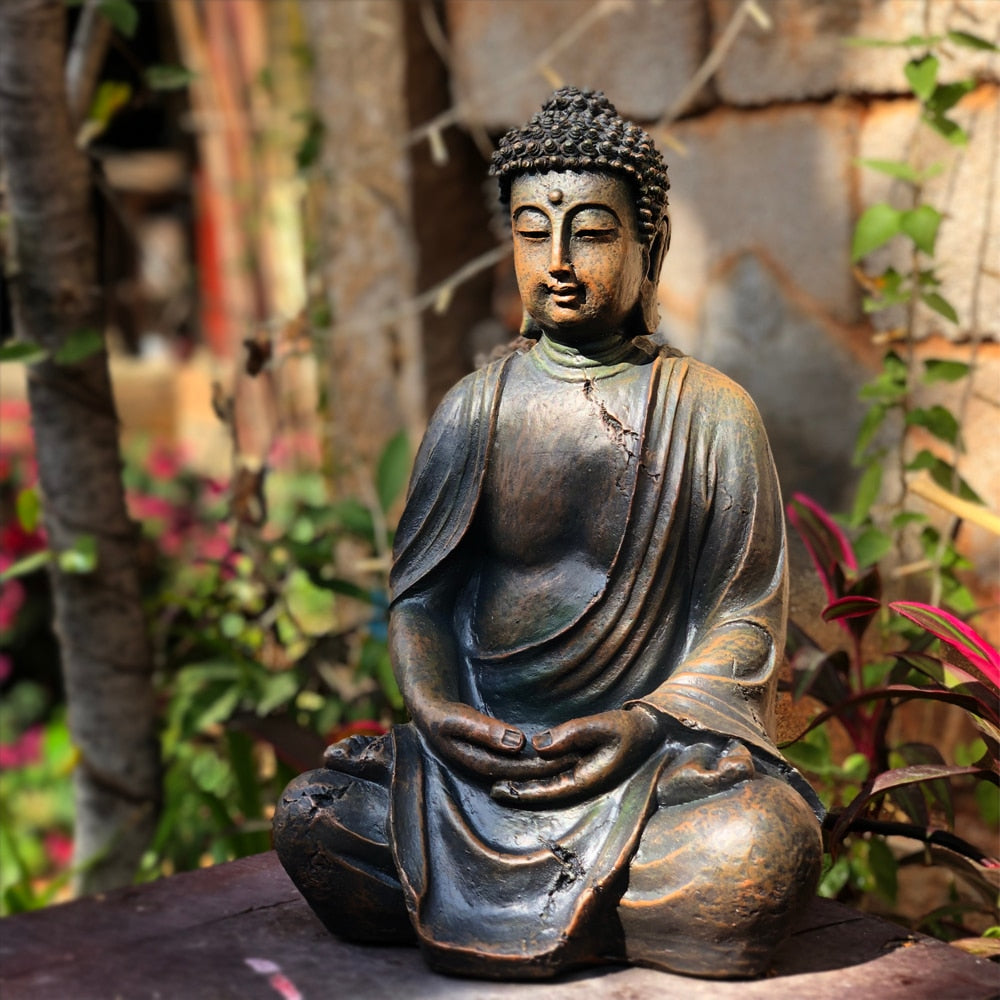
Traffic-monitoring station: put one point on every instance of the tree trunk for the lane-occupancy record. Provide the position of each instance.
(375, 362)
(106, 658)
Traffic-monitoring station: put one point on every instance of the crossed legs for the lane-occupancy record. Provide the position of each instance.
(712, 888)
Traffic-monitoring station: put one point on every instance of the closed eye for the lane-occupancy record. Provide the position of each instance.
(533, 234)
(597, 235)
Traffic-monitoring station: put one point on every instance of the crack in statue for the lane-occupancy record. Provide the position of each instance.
(588, 653)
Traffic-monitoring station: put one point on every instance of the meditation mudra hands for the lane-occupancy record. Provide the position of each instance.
(575, 760)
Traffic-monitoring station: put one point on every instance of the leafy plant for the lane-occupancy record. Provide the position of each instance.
(918, 653)
(267, 650)
(270, 651)
(893, 395)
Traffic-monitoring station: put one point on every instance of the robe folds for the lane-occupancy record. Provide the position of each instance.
(690, 622)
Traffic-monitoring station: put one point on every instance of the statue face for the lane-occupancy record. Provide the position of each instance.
(577, 251)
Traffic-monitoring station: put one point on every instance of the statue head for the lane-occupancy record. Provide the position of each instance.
(581, 132)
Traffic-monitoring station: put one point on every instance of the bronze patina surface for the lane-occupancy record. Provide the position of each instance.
(588, 609)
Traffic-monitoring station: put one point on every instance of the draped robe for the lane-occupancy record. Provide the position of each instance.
(690, 622)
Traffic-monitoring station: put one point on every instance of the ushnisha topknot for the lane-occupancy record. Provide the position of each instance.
(582, 130)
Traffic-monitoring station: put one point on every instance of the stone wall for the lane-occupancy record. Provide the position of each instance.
(765, 189)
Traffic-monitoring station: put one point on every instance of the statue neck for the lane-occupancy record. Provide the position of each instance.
(592, 359)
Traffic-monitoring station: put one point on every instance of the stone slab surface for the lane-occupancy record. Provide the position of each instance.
(774, 182)
(241, 931)
(805, 55)
(641, 54)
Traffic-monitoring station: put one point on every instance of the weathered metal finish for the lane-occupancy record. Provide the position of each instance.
(203, 935)
(588, 611)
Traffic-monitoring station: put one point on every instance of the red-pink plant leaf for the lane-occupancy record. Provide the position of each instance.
(936, 668)
(826, 543)
(851, 607)
(853, 613)
(983, 708)
(956, 634)
(915, 773)
(894, 779)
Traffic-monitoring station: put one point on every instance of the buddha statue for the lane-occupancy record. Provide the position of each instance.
(588, 603)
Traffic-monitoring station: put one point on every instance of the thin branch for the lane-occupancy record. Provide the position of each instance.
(435, 294)
(714, 59)
(86, 56)
(458, 112)
(435, 32)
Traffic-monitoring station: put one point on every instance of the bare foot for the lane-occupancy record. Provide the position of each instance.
(702, 770)
(361, 756)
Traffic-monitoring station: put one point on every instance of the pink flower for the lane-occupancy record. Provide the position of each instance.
(16, 542)
(215, 488)
(26, 749)
(214, 547)
(59, 849)
(11, 599)
(163, 463)
(147, 508)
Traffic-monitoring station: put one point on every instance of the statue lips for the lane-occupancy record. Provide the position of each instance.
(566, 295)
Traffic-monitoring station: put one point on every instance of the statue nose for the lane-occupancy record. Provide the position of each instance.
(560, 266)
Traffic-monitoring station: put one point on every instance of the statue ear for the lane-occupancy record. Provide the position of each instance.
(651, 280)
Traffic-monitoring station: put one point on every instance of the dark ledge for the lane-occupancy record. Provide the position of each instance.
(242, 931)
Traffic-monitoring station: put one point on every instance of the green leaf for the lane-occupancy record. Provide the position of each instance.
(169, 77)
(393, 470)
(946, 128)
(894, 366)
(891, 290)
(940, 370)
(312, 607)
(835, 879)
(947, 95)
(231, 624)
(808, 757)
(938, 420)
(911, 42)
(871, 546)
(894, 168)
(902, 170)
(884, 867)
(877, 225)
(122, 14)
(921, 225)
(943, 473)
(866, 494)
(80, 344)
(26, 565)
(81, 557)
(386, 678)
(902, 519)
(29, 508)
(855, 767)
(921, 73)
(278, 689)
(23, 351)
(971, 41)
(308, 153)
(354, 517)
(887, 388)
(940, 305)
(872, 421)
